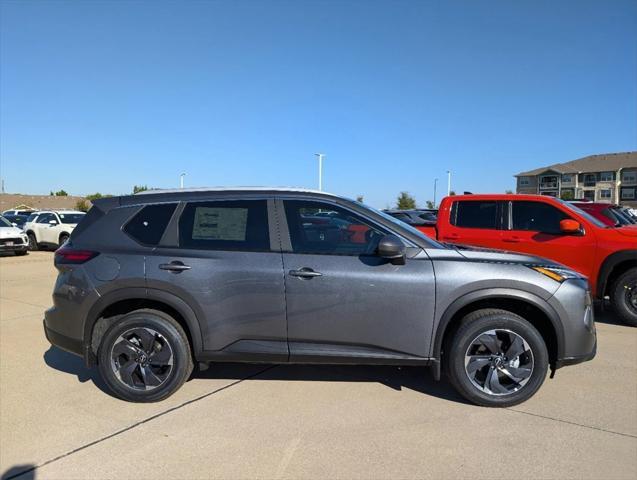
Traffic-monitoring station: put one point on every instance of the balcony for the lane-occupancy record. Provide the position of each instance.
(548, 185)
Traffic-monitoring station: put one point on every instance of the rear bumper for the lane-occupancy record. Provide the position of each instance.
(68, 344)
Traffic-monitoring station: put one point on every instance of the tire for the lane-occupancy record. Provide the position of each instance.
(63, 238)
(127, 366)
(623, 297)
(495, 379)
(33, 243)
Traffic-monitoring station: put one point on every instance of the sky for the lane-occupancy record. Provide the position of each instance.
(98, 96)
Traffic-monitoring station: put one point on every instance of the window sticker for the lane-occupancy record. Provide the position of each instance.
(220, 224)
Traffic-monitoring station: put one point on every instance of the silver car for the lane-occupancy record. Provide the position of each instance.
(150, 283)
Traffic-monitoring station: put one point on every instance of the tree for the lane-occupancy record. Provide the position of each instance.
(359, 199)
(405, 201)
(430, 205)
(82, 206)
(452, 193)
(61, 193)
(94, 196)
(139, 188)
(567, 195)
(508, 192)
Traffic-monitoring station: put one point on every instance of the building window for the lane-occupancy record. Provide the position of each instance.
(589, 180)
(548, 181)
(628, 194)
(567, 178)
(524, 181)
(589, 195)
(629, 177)
(606, 177)
(605, 194)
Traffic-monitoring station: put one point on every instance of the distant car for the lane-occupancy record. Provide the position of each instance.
(607, 213)
(17, 220)
(421, 219)
(12, 239)
(17, 212)
(51, 228)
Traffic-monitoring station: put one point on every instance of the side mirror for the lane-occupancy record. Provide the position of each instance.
(392, 248)
(569, 226)
(53, 222)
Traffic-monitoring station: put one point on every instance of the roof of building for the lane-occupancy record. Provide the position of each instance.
(592, 163)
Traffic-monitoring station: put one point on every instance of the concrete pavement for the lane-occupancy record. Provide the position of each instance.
(259, 421)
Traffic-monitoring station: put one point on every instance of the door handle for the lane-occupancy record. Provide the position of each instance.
(174, 267)
(305, 272)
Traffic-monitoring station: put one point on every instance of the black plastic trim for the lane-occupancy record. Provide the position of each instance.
(67, 344)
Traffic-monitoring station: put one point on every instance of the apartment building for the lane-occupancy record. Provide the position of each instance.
(610, 177)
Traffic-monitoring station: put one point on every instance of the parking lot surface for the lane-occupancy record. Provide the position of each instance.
(263, 421)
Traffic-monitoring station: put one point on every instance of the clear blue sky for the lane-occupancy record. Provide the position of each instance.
(99, 96)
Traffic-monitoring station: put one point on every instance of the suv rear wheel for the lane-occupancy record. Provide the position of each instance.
(33, 242)
(145, 356)
(496, 358)
(623, 297)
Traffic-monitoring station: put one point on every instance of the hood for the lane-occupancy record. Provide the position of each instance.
(480, 254)
(627, 231)
(10, 232)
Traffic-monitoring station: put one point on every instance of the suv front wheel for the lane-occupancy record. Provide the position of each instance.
(145, 356)
(496, 358)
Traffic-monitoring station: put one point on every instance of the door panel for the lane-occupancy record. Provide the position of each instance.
(359, 300)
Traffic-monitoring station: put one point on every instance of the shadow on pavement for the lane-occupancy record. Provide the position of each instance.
(604, 314)
(69, 363)
(23, 472)
(418, 379)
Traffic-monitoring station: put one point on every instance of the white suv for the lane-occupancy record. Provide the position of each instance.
(51, 228)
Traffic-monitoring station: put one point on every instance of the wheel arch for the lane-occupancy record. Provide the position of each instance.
(612, 267)
(529, 306)
(119, 302)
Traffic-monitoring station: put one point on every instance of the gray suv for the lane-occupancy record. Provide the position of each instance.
(151, 283)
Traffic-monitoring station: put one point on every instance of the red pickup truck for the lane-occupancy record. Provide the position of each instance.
(550, 228)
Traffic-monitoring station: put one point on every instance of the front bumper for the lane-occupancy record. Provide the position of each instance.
(566, 361)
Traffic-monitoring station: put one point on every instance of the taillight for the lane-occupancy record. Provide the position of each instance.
(66, 254)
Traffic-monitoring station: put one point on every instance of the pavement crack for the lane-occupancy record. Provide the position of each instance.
(572, 423)
(137, 424)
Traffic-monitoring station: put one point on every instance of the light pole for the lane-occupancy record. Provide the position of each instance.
(320, 159)
(181, 180)
(435, 185)
(448, 182)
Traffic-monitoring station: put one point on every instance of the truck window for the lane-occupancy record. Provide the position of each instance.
(475, 214)
(536, 217)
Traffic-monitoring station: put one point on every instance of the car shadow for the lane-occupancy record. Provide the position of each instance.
(74, 365)
(604, 314)
(23, 472)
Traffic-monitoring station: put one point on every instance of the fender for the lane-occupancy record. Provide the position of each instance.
(162, 296)
(609, 263)
(497, 293)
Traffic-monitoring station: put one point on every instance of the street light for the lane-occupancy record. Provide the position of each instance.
(181, 180)
(435, 185)
(448, 182)
(320, 159)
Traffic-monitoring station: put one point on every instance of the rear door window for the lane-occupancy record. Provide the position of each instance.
(475, 214)
(149, 224)
(225, 225)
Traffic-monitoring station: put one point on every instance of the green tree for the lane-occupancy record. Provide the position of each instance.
(430, 204)
(61, 193)
(139, 188)
(82, 206)
(94, 196)
(508, 192)
(567, 195)
(405, 201)
(452, 193)
(359, 199)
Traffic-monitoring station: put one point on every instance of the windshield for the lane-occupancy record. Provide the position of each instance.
(402, 225)
(4, 222)
(582, 213)
(71, 217)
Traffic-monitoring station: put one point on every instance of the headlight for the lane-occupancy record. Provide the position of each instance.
(559, 274)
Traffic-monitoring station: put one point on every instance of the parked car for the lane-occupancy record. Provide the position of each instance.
(51, 228)
(12, 239)
(607, 213)
(16, 220)
(549, 227)
(420, 219)
(26, 212)
(148, 284)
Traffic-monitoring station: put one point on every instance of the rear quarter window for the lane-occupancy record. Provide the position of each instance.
(149, 224)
